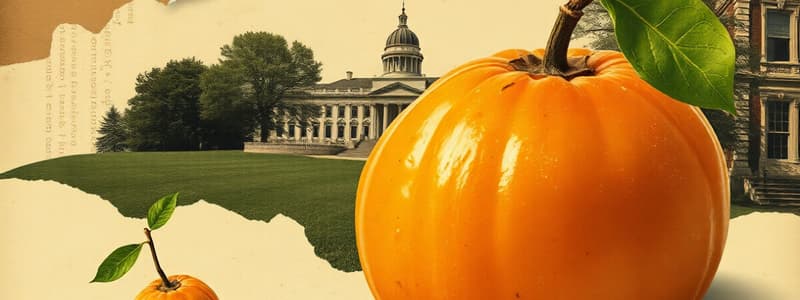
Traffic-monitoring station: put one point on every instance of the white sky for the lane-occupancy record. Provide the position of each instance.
(58, 117)
(350, 34)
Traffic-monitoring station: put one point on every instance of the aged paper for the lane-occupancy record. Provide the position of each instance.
(51, 103)
(51, 250)
(26, 26)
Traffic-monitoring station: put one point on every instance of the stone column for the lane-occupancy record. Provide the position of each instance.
(320, 122)
(373, 121)
(320, 133)
(793, 51)
(385, 117)
(347, 116)
(763, 135)
(335, 123)
(793, 121)
(360, 123)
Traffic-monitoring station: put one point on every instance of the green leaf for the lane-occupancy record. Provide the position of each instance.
(679, 47)
(118, 263)
(161, 211)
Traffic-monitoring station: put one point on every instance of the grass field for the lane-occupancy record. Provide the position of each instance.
(317, 193)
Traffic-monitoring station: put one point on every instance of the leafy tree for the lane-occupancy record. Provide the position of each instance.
(226, 113)
(113, 134)
(596, 26)
(165, 113)
(256, 71)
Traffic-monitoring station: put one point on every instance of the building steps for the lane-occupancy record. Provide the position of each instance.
(778, 191)
(362, 150)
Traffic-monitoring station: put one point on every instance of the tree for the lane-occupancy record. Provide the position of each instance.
(256, 71)
(596, 26)
(113, 134)
(164, 114)
(226, 114)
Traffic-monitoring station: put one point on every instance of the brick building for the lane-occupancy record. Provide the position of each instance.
(767, 159)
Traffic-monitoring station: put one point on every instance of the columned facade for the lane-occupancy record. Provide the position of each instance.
(358, 119)
(355, 109)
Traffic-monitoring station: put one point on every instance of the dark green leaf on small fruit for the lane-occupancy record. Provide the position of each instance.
(118, 263)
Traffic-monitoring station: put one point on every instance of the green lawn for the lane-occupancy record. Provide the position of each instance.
(743, 209)
(317, 193)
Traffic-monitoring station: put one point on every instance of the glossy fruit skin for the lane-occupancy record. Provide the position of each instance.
(500, 184)
(191, 289)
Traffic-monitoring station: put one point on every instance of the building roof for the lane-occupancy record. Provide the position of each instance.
(359, 87)
(365, 83)
(396, 86)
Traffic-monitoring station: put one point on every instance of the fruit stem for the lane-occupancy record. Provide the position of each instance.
(555, 59)
(167, 284)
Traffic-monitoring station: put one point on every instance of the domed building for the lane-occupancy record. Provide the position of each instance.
(402, 56)
(357, 109)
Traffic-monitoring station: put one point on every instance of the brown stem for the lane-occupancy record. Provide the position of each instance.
(167, 284)
(555, 59)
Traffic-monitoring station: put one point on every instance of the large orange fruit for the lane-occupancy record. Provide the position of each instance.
(501, 184)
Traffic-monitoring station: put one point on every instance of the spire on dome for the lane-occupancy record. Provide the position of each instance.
(403, 16)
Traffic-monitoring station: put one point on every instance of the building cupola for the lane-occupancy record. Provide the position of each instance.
(402, 56)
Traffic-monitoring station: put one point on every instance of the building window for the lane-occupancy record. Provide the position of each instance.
(366, 131)
(316, 131)
(778, 129)
(353, 111)
(341, 111)
(328, 111)
(353, 131)
(328, 131)
(279, 131)
(778, 38)
(303, 131)
(340, 131)
(366, 111)
(291, 130)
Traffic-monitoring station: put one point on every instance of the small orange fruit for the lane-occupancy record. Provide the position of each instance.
(185, 287)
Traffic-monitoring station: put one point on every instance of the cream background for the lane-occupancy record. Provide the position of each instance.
(54, 236)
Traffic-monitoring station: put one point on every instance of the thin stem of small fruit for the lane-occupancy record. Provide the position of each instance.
(164, 278)
(555, 59)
